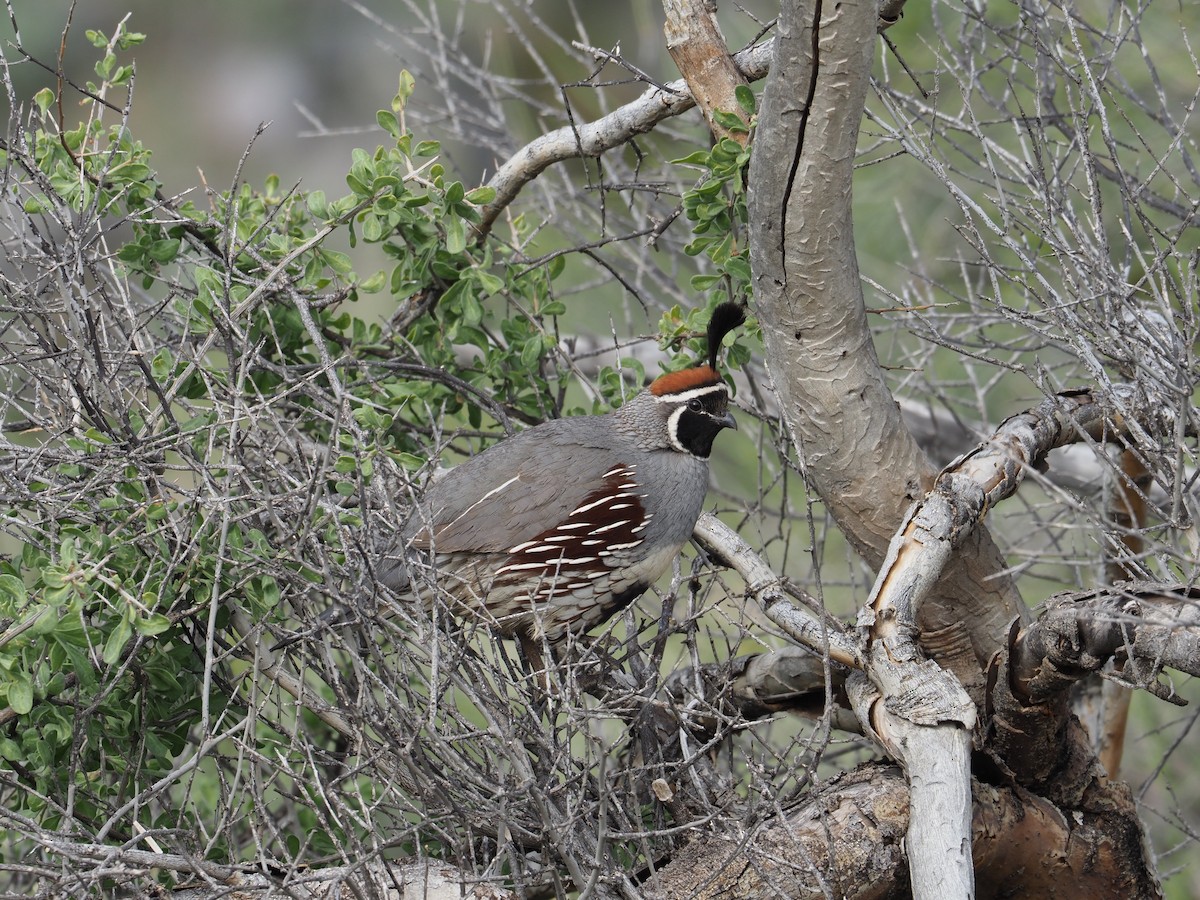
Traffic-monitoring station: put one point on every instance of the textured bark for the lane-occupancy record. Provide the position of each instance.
(856, 452)
(846, 842)
(847, 428)
(695, 42)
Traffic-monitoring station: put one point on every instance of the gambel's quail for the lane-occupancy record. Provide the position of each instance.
(555, 529)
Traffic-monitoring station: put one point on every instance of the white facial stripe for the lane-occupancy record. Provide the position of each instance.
(673, 428)
(684, 396)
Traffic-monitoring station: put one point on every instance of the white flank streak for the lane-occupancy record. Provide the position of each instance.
(621, 505)
(582, 509)
(612, 525)
(629, 546)
(520, 567)
(490, 493)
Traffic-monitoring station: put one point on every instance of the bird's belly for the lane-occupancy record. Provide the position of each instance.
(556, 603)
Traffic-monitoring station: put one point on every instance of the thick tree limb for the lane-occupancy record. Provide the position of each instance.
(695, 42)
(1031, 733)
(968, 488)
(933, 530)
(832, 391)
(843, 420)
(1145, 627)
(846, 841)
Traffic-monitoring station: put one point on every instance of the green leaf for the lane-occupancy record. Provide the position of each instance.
(338, 261)
(489, 283)
(117, 639)
(20, 694)
(388, 122)
(374, 284)
(44, 622)
(407, 85)
(531, 353)
(12, 593)
(409, 461)
(162, 365)
(451, 297)
(739, 268)
(44, 98)
(318, 205)
(456, 235)
(697, 158)
(745, 98)
(164, 251)
(153, 624)
(482, 195)
(472, 309)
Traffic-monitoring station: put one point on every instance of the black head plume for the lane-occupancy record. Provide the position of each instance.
(725, 318)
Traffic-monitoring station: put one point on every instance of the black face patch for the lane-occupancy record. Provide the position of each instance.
(698, 419)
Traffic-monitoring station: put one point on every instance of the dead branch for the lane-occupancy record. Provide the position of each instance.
(1144, 628)
(1140, 628)
(806, 623)
(791, 679)
(594, 138)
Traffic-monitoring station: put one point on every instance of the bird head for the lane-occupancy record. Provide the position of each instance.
(692, 405)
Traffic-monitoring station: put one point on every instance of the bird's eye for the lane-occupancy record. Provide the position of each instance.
(695, 405)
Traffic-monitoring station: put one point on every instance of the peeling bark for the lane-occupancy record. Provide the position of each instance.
(847, 842)
(695, 42)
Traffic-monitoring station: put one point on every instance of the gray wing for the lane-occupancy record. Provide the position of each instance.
(509, 494)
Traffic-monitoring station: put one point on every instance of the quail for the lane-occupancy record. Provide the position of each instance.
(555, 529)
